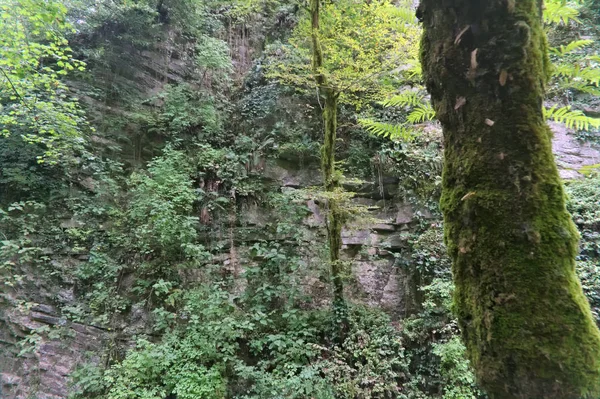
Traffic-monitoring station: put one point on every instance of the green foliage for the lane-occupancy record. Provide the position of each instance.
(137, 376)
(154, 231)
(575, 67)
(34, 58)
(262, 344)
(89, 379)
(578, 77)
(589, 276)
(269, 112)
(186, 112)
(293, 362)
(42, 127)
(583, 206)
(374, 359)
(18, 224)
(347, 52)
(213, 55)
(358, 153)
(405, 99)
(421, 111)
(437, 359)
(174, 366)
(583, 200)
(458, 381)
(571, 118)
(575, 45)
(158, 71)
(588, 170)
(162, 239)
(388, 130)
(162, 204)
(368, 365)
(23, 177)
(559, 11)
(126, 22)
(100, 277)
(362, 45)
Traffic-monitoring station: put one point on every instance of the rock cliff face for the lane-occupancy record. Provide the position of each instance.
(45, 371)
(374, 250)
(40, 365)
(41, 369)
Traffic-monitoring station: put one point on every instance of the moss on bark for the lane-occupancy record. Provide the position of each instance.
(335, 215)
(524, 319)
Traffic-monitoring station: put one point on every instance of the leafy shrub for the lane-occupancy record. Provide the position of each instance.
(186, 112)
(162, 205)
(19, 222)
(458, 381)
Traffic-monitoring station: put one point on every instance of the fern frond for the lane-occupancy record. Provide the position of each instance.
(584, 87)
(423, 112)
(392, 131)
(595, 58)
(415, 70)
(566, 70)
(558, 11)
(406, 99)
(403, 15)
(591, 75)
(571, 118)
(569, 48)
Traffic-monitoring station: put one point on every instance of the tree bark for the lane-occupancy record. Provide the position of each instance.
(525, 321)
(335, 214)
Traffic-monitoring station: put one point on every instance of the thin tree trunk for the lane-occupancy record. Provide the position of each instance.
(331, 180)
(525, 321)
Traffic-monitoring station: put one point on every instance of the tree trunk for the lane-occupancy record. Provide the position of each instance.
(335, 215)
(524, 318)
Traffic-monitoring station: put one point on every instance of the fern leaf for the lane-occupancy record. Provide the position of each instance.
(415, 70)
(571, 118)
(584, 87)
(389, 130)
(591, 75)
(423, 112)
(404, 15)
(566, 70)
(574, 72)
(406, 99)
(569, 48)
(557, 12)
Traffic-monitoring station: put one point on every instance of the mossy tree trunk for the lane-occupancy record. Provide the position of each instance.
(335, 215)
(524, 319)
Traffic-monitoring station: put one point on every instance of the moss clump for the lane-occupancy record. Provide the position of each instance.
(524, 318)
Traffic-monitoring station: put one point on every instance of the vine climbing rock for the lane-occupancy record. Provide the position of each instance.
(527, 326)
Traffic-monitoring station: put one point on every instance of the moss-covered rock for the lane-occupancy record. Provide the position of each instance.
(524, 319)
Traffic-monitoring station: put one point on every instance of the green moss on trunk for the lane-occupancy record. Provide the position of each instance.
(335, 214)
(524, 319)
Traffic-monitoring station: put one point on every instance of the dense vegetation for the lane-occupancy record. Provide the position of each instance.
(143, 146)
